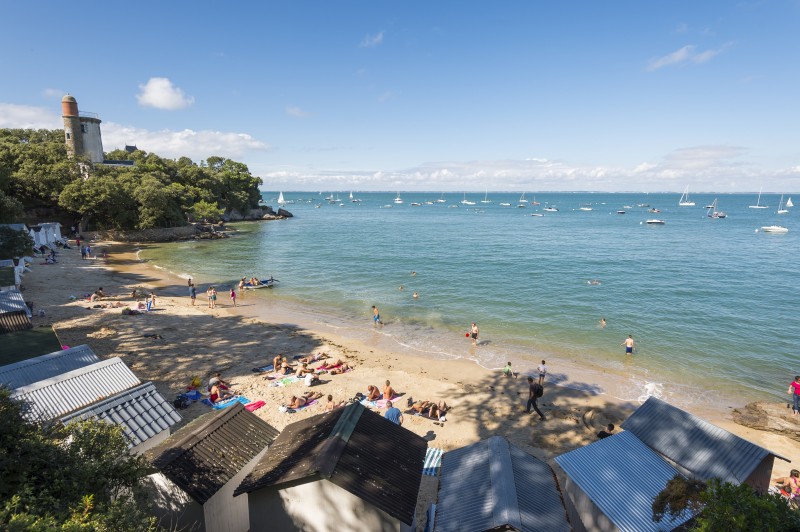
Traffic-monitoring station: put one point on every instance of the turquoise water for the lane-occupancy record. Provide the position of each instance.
(709, 302)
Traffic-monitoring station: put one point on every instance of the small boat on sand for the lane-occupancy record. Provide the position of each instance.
(262, 283)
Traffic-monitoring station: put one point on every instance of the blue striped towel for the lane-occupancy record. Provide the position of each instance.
(433, 461)
(226, 403)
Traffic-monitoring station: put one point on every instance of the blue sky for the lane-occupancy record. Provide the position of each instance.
(446, 95)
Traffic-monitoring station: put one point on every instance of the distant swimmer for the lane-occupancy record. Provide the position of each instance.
(413, 273)
(401, 287)
(628, 343)
(602, 323)
(376, 316)
(594, 281)
(416, 295)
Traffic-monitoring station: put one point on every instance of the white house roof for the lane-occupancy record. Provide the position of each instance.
(51, 398)
(45, 366)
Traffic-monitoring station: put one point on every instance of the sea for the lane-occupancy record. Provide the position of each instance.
(710, 302)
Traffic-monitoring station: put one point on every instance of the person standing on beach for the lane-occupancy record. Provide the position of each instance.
(208, 295)
(542, 372)
(83, 253)
(233, 296)
(241, 286)
(794, 389)
(535, 391)
(628, 343)
(376, 316)
(474, 333)
(192, 292)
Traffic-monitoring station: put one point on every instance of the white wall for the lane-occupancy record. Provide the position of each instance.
(173, 507)
(316, 506)
(92, 141)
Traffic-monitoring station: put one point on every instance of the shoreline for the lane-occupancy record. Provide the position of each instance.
(200, 341)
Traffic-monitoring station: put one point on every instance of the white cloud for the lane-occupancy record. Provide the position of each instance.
(197, 145)
(162, 94)
(686, 54)
(28, 117)
(371, 41)
(293, 110)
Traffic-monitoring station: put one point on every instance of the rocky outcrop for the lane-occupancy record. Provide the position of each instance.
(264, 212)
(769, 417)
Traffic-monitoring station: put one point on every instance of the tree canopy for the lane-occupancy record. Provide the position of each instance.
(35, 173)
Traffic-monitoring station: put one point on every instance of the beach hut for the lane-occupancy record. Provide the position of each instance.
(39, 235)
(57, 396)
(43, 367)
(346, 470)
(143, 414)
(201, 464)
(699, 449)
(52, 232)
(493, 485)
(14, 313)
(610, 485)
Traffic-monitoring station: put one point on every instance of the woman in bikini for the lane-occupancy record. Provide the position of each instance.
(388, 391)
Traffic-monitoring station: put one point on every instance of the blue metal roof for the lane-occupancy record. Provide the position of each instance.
(694, 444)
(622, 476)
(492, 484)
(45, 366)
(52, 398)
(142, 413)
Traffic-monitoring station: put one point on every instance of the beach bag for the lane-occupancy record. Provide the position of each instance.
(196, 382)
(539, 391)
(182, 401)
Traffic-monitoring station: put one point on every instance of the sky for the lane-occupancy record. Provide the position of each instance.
(436, 96)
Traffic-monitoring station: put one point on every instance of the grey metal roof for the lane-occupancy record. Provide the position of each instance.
(51, 398)
(492, 484)
(207, 453)
(696, 445)
(46, 366)
(622, 476)
(12, 301)
(142, 413)
(358, 450)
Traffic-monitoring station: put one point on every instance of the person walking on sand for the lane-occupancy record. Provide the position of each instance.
(794, 389)
(628, 343)
(376, 316)
(474, 333)
(535, 391)
(192, 292)
(208, 294)
(542, 372)
(233, 296)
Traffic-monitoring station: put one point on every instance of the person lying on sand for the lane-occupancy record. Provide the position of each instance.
(421, 407)
(373, 393)
(438, 411)
(388, 391)
(313, 358)
(332, 365)
(300, 401)
(341, 369)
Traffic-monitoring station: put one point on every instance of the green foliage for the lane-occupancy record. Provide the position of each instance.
(15, 243)
(725, 506)
(207, 212)
(155, 192)
(79, 477)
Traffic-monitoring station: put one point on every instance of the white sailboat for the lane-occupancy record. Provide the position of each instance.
(465, 201)
(486, 198)
(781, 209)
(789, 203)
(398, 200)
(758, 202)
(713, 212)
(441, 200)
(281, 201)
(352, 199)
(522, 201)
(684, 201)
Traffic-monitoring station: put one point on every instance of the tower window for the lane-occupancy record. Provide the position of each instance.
(68, 136)
(83, 128)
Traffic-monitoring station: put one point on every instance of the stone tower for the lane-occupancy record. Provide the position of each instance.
(81, 131)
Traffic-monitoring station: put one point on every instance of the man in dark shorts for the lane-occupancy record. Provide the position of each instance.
(535, 391)
(192, 292)
(628, 343)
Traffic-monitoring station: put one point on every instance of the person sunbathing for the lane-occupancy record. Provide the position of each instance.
(388, 391)
(791, 484)
(218, 393)
(303, 369)
(373, 393)
(341, 369)
(285, 368)
(313, 358)
(302, 400)
(438, 411)
(276, 362)
(331, 365)
(421, 407)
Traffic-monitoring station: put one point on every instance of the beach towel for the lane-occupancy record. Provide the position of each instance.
(284, 381)
(255, 405)
(433, 461)
(293, 410)
(264, 369)
(329, 367)
(219, 405)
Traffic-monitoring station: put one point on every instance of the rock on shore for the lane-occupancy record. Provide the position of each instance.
(769, 417)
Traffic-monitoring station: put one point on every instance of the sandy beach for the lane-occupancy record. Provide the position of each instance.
(177, 341)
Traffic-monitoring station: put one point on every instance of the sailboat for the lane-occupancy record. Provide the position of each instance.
(398, 200)
(486, 198)
(441, 200)
(281, 201)
(522, 201)
(684, 201)
(781, 209)
(713, 212)
(534, 202)
(789, 203)
(465, 201)
(352, 199)
(758, 202)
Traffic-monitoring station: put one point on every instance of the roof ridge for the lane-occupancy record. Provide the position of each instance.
(331, 450)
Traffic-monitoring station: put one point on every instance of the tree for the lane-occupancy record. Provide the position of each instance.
(14, 243)
(207, 212)
(78, 477)
(725, 506)
(10, 208)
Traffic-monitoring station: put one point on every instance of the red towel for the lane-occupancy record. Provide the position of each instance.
(254, 406)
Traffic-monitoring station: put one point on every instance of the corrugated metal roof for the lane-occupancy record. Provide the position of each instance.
(622, 476)
(46, 366)
(696, 445)
(142, 413)
(363, 452)
(207, 453)
(51, 398)
(14, 321)
(493, 484)
(12, 301)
